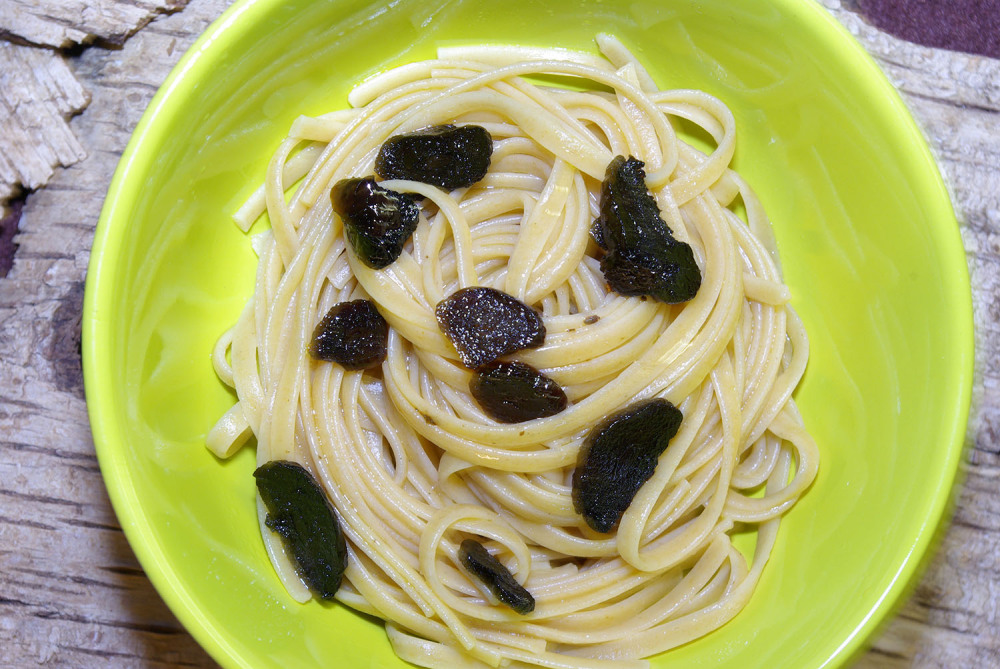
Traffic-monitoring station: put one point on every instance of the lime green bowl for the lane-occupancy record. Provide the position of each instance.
(867, 235)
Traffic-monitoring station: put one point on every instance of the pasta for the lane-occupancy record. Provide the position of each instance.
(411, 462)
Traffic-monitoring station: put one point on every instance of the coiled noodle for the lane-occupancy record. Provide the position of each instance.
(408, 458)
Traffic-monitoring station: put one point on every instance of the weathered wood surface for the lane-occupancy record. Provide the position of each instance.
(38, 93)
(71, 591)
(62, 23)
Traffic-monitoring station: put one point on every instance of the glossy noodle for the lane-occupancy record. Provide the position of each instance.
(411, 462)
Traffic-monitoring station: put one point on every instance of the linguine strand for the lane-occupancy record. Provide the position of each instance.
(410, 461)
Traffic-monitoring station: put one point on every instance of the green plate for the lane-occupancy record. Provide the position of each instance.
(867, 235)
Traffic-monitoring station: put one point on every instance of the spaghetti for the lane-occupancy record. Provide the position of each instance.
(412, 463)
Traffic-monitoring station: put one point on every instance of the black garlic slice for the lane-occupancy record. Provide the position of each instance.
(478, 561)
(617, 457)
(446, 156)
(513, 392)
(485, 324)
(353, 334)
(642, 256)
(298, 511)
(377, 221)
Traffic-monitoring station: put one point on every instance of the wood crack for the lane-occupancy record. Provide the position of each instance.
(76, 522)
(25, 522)
(150, 628)
(59, 453)
(957, 104)
(78, 580)
(887, 653)
(41, 499)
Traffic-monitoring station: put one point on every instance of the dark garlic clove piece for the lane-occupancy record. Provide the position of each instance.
(446, 156)
(475, 558)
(643, 257)
(485, 324)
(668, 274)
(618, 457)
(513, 392)
(377, 221)
(353, 334)
(298, 510)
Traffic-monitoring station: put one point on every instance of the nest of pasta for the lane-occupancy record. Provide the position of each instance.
(409, 459)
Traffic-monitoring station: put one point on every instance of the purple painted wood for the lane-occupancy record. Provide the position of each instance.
(972, 26)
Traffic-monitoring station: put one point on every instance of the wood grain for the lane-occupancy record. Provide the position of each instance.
(38, 93)
(37, 90)
(71, 591)
(63, 23)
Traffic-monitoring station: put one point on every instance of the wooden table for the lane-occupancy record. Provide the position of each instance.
(71, 591)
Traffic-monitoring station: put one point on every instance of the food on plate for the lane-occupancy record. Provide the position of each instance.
(484, 324)
(642, 256)
(299, 512)
(377, 221)
(513, 392)
(585, 405)
(352, 334)
(619, 456)
(443, 155)
(495, 576)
